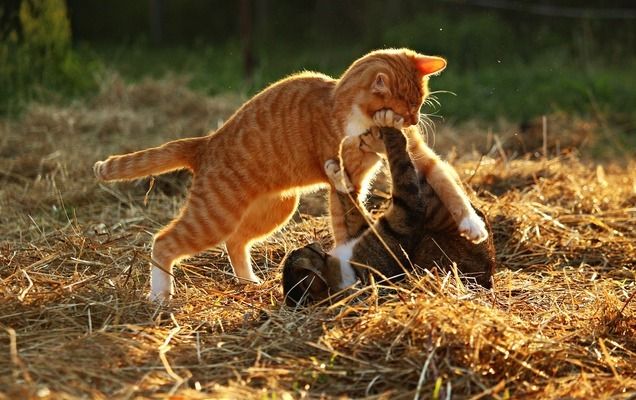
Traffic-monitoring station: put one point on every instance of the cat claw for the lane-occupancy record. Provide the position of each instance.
(338, 178)
(387, 118)
(473, 228)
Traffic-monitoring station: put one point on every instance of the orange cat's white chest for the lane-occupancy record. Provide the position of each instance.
(357, 122)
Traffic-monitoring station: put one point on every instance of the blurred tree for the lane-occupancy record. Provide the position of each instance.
(37, 53)
(156, 21)
(9, 17)
(46, 32)
(247, 42)
(462, 29)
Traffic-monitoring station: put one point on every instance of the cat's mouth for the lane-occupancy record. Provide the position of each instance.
(411, 119)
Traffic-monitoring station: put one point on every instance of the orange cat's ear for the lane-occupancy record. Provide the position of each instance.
(428, 65)
(381, 84)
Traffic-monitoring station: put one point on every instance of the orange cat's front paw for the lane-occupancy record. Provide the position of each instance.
(338, 177)
(387, 118)
(473, 228)
(371, 141)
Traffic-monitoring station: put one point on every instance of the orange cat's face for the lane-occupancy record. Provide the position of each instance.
(405, 101)
(404, 85)
(389, 79)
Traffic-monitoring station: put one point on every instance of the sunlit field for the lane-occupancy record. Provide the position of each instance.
(536, 110)
(74, 262)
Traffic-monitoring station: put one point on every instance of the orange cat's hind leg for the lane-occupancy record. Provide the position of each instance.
(265, 215)
(208, 218)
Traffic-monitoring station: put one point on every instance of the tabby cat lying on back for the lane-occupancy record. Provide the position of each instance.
(247, 174)
(416, 225)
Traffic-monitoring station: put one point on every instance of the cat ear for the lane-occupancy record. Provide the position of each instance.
(381, 84)
(428, 65)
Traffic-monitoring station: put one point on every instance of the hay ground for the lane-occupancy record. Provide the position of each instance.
(74, 261)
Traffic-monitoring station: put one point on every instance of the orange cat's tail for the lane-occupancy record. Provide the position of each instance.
(171, 156)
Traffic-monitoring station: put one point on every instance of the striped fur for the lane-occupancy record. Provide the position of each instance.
(171, 156)
(247, 172)
(417, 229)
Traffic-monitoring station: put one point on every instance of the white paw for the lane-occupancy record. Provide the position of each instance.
(387, 118)
(161, 286)
(251, 279)
(160, 297)
(338, 178)
(473, 228)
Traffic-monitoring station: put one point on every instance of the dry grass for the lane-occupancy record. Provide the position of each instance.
(74, 261)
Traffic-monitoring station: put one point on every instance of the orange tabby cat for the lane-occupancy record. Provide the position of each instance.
(247, 173)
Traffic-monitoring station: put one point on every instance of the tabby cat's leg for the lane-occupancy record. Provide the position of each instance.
(265, 215)
(406, 208)
(444, 180)
(207, 219)
(441, 177)
(387, 247)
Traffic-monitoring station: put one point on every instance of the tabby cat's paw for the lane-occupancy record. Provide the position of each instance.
(473, 228)
(338, 177)
(387, 118)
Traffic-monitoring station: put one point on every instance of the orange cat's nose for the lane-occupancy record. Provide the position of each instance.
(412, 119)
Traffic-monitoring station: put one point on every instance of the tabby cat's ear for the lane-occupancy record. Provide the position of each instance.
(381, 84)
(428, 65)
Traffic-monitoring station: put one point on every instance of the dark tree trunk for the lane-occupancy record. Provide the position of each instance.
(156, 21)
(247, 39)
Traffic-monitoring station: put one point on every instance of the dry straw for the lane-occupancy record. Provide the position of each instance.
(560, 322)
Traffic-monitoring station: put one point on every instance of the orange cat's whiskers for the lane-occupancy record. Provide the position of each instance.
(441, 91)
(432, 101)
(427, 126)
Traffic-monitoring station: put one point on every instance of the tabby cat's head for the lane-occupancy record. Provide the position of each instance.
(395, 79)
(310, 275)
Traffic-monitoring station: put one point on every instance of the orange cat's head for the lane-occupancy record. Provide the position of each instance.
(396, 79)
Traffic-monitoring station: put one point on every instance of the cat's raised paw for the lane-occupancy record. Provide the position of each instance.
(473, 228)
(338, 177)
(387, 118)
(371, 141)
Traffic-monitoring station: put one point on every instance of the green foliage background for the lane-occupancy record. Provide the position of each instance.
(511, 64)
(39, 58)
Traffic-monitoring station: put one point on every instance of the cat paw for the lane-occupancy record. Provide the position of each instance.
(251, 279)
(387, 118)
(338, 177)
(473, 228)
(159, 297)
(371, 141)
